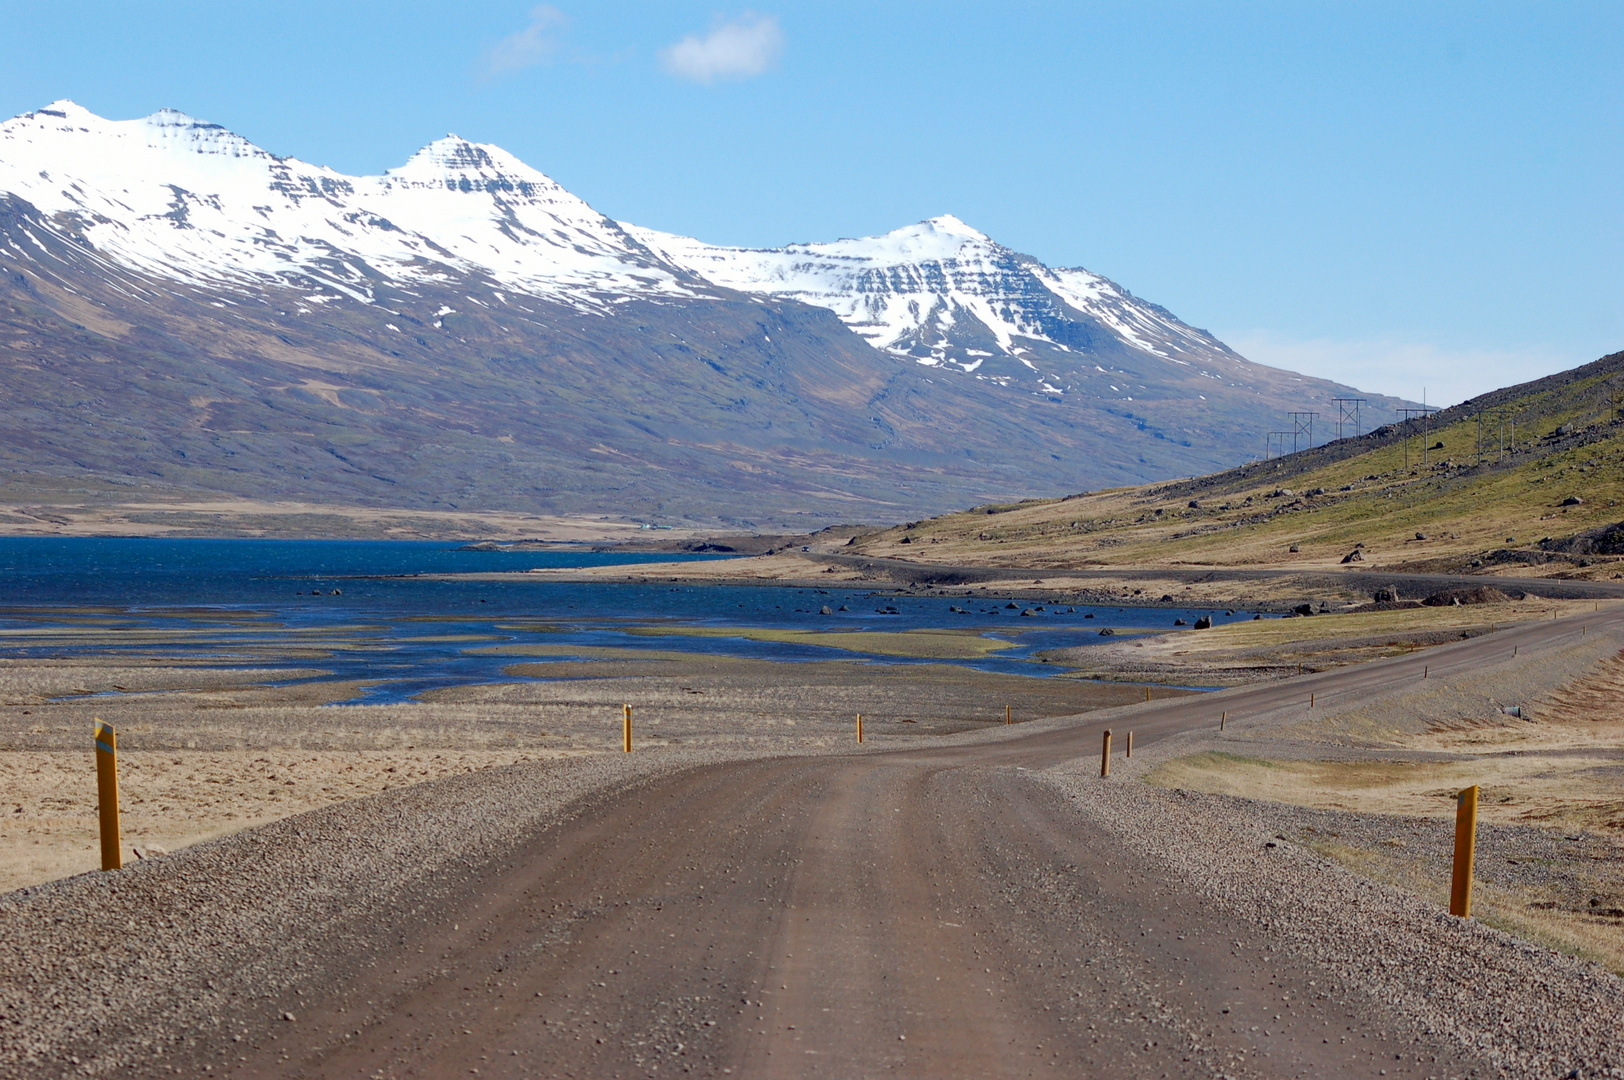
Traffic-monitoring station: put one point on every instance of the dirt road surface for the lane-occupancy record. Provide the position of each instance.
(926, 912)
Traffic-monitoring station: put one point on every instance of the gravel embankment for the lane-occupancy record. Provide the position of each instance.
(1532, 1011)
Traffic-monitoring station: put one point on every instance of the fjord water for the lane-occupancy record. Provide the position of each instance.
(381, 611)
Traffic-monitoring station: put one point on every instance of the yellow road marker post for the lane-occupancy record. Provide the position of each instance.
(1130, 744)
(1105, 755)
(1426, 669)
(1221, 718)
(1310, 699)
(107, 794)
(859, 727)
(1460, 888)
(1007, 717)
(626, 728)
(1147, 693)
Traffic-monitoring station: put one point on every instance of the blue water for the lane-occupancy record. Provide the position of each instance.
(360, 610)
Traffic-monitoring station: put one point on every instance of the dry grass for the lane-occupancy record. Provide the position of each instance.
(1236, 653)
(1560, 770)
(172, 798)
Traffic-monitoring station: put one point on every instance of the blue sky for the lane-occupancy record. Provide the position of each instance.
(1399, 195)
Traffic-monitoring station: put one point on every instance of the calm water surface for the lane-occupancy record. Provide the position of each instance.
(358, 609)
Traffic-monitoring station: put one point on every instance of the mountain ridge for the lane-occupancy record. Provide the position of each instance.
(461, 331)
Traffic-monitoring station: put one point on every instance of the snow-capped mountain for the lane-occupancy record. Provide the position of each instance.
(176, 197)
(182, 312)
(945, 295)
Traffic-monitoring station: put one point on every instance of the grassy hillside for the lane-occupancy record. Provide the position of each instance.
(1486, 486)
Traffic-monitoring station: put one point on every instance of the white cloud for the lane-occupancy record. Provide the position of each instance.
(537, 43)
(1403, 369)
(740, 49)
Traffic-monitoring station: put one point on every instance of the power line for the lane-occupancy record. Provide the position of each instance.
(1347, 412)
(1303, 425)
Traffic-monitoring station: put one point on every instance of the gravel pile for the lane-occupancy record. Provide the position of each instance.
(1531, 1011)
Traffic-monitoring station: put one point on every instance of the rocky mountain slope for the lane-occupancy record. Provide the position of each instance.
(184, 314)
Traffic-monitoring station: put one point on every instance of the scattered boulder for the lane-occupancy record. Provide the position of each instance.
(827, 610)
(1572, 500)
(1180, 622)
(906, 540)
(1204, 623)
(1009, 606)
(1195, 504)
(1315, 491)
(1354, 556)
(1304, 609)
(1294, 549)
(1090, 615)
(1477, 594)
(1107, 632)
(1421, 536)
(843, 607)
(1167, 598)
(1606, 540)
(1028, 613)
(1386, 595)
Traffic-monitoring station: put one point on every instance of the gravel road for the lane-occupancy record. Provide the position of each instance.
(981, 905)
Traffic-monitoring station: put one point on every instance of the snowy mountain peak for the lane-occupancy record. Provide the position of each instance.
(64, 108)
(166, 130)
(181, 198)
(470, 166)
(944, 294)
(942, 237)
